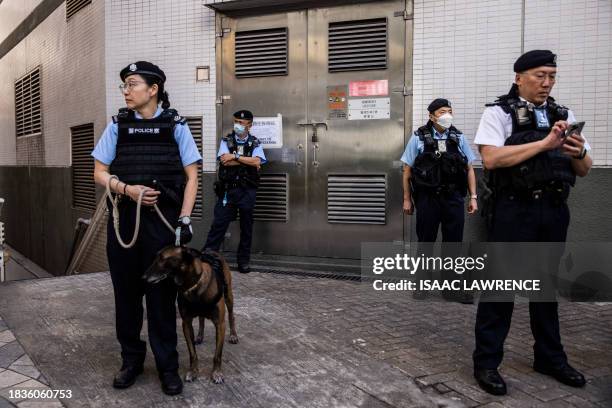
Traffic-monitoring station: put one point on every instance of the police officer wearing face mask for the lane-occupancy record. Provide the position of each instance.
(532, 167)
(152, 152)
(240, 158)
(437, 174)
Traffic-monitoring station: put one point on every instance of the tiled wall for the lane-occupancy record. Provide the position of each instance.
(178, 36)
(580, 32)
(71, 57)
(13, 12)
(464, 50)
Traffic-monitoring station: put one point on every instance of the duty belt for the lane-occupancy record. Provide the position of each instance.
(554, 191)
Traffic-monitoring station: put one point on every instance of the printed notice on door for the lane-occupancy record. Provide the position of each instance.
(369, 108)
(337, 102)
(269, 131)
(378, 87)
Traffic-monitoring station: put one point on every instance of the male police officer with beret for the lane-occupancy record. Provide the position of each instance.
(532, 167)
(240, 158)
(152, 152)
(437, 173)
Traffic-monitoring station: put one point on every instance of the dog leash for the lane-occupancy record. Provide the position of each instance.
(114, 201)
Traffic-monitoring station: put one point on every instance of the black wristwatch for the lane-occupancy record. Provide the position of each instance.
(583, 154)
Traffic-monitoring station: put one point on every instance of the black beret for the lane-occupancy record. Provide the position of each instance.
(142, 67)
(535, 58)
(244, 114)
(437, 104)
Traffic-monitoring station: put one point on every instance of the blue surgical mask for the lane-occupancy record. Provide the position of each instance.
(239, 129)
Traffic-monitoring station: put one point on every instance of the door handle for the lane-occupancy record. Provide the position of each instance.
(314, 138)
(299, 147)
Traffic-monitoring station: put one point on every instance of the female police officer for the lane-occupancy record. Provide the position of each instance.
(153, 154)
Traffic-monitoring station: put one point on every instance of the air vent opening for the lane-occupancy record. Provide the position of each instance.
(261, 53)
(357, 45)
(28, 117)
(74, 6)
(83, 185)
(272, 198)
(195, 126)
(356, 199)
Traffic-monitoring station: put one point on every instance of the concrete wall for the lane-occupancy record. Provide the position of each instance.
(71, 57)
(37, 216)
(176, 35)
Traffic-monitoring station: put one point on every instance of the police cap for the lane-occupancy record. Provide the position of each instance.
(534, 59)
(437, 104)
(244, 114)
(142, 67)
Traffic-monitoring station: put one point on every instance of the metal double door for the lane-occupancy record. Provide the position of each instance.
(336, 180)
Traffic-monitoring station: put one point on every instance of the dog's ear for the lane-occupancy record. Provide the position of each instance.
(187, 257)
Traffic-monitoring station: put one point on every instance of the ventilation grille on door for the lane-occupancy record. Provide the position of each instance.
(357, 45)
(83, 185)
(261, 53)
(356, 199)
(272, 198)
(73, 7)
(195, 125)
(27, 105)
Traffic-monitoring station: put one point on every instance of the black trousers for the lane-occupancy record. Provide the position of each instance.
(239, 199)
(127, 266)
(433, 210)
(521, 220)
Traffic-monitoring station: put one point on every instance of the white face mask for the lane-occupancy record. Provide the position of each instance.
(445, 120)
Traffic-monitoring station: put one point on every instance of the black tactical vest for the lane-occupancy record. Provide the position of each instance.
(547, 170)
(147, 152)
(242, 175)
(442, 165)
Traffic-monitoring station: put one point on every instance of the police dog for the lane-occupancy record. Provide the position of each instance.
(204, 285)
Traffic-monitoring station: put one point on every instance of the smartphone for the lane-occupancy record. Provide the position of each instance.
(575, 127)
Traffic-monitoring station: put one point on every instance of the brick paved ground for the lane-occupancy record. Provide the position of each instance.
(312, 342)
(17, 371)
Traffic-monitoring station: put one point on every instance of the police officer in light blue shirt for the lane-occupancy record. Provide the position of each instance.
(152, 152)
(437, 174)
(240, 158)
(437, 193)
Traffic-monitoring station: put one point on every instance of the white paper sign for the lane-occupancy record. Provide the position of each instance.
(269, 131)
(370, 108)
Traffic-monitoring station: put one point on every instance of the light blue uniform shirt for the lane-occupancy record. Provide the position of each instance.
(257, 152)
(416, 146)
(106, 148)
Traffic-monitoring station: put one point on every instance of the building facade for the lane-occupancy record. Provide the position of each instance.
(59, 65)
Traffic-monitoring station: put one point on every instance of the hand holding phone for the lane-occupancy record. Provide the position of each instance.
(574, 128)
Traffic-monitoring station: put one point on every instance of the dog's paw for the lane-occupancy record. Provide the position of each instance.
(199, 340)
(233, 339)
(217, 377)
(191, 375)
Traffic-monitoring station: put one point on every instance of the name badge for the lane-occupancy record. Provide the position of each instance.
(241, 149)
(442, 146)
(541, 119)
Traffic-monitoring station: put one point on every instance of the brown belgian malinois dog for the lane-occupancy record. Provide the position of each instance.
(204, 284)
